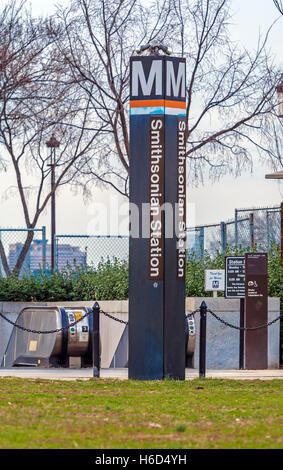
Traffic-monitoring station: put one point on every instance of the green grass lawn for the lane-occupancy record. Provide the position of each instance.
(113, 414)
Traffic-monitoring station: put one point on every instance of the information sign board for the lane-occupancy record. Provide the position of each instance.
(235, 277)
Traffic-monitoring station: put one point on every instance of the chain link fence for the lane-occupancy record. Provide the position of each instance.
(215, 238)
(273, 226)
(12, 246)
(266, 223)
(89, 250)
(250, 227)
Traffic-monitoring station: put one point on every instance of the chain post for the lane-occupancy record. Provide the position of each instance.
(242, 334)
(202, 339)
(96, 340)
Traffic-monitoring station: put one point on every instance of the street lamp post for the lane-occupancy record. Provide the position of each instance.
(279, 89)
(278, 175)
(53, 144)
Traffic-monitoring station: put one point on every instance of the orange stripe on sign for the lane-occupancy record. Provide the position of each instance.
(146, 103)
(175, 104)
(152, 103)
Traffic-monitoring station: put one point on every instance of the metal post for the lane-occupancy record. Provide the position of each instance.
(55, 252)
(242, 337)
(236, 227)
(252, 230)
(201, 241)
(281, 282)
(223, 229)
(267, 230)
(44, 249)
(96, 340)
(1, 274)
(53, 220)
(202, 339)
(53, 144)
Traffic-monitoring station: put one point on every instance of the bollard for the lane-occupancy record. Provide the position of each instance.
(95, 340)
(202, 339)
(242, 334)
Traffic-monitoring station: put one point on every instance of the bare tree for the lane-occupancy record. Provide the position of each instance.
(36, 100)
(99, 39)
(279, 5)
(230, 90)
(70, 75)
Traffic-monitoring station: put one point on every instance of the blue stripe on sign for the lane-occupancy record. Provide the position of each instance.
(157, 110)
(175, 111)
(147, 110)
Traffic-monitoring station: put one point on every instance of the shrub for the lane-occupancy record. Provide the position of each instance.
(109, 280)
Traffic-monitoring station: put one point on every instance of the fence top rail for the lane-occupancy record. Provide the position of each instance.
(205, 226)
(21, 229)
(273, 211)
(244, 219)
(92, 236)
(258, 209)
(198, 227)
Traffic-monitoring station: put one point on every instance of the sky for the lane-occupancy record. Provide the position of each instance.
(208, 203)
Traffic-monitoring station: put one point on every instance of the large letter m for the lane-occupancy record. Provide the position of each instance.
(155, 76)
(176, 87)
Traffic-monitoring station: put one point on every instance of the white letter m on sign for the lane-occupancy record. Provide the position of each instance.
(155, 75)
(171, 80)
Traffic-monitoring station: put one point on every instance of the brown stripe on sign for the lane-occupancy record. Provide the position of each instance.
(181, 199)
(156, 198)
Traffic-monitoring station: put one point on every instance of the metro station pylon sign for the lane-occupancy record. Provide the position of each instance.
(157, 261)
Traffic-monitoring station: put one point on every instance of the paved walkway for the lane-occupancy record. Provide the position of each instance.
(85, 374)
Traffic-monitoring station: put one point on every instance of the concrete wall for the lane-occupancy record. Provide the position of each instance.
(222, 342)
(110, 330)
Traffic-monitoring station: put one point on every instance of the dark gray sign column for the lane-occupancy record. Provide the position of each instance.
(157, 236)
(256, 310)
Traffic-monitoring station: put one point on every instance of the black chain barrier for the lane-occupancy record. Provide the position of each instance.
(113, 318)
(39, 332)
(57, 330)
(243, 328)
(192, 313)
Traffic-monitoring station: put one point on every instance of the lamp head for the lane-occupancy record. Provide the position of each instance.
(154, 47)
